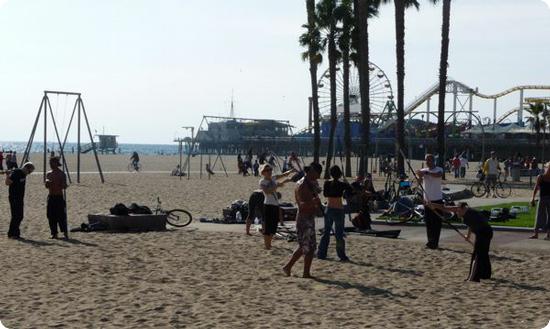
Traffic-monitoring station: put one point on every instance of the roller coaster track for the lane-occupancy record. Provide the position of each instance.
(465, 89)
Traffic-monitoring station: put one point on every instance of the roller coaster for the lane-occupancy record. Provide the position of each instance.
(383, 108)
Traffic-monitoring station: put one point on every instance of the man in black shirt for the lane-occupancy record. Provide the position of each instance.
(480, 264)
(16, 180)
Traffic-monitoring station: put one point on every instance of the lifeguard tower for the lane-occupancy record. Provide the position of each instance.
(105, 144)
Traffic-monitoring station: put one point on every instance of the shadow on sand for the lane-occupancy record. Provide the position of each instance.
(365, 290)
(515, 285)
(493, 256)
(36, 243)
(382, 268)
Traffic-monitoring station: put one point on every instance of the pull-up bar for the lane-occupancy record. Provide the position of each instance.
(61, 93)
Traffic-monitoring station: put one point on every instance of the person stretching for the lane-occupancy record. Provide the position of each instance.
(56, 182)
(307, 199)
(480, 264)
(269, 185)
(334, 190)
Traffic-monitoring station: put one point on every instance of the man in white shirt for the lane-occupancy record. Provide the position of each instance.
(463, 165)
(431, 182)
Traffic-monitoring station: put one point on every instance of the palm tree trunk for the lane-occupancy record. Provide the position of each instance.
(400, 52)
(333, 118)
(361, 17)
(347, 123)
(310, 4)
(443, 82)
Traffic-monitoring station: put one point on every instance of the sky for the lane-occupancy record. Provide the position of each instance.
(147, 68)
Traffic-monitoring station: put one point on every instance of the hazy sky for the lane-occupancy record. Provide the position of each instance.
(146, 68)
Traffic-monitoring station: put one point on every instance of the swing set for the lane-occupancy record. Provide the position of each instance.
(80, 111)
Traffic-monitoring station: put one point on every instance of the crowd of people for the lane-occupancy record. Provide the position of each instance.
(265, 205)
(307, 194)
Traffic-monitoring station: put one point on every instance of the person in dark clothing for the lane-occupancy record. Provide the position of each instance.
(56, 183)
(16, 180)
(255, 209)
(480, 264)
(334, 190)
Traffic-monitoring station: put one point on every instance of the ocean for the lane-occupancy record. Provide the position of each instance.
(145, 149)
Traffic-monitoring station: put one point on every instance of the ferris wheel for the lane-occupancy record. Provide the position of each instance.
(381, 94)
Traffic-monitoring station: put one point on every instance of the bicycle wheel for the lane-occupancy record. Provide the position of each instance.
(478, 189)
(132, 167)
(179, 217)
(503, 190)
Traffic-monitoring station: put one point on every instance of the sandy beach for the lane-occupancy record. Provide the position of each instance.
(198, 278)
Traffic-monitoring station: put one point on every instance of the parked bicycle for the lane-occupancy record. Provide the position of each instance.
(174, 217)
(483, 188)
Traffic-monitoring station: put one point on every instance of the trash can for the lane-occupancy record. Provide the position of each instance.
(515, 173)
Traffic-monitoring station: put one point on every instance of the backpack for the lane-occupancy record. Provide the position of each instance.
(119, 210)
(139, 210)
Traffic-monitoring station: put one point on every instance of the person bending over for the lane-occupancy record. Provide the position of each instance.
(255, 209)
(307, 198)
(269, 185)
(480, 264)
(16, 180)
(56, 182)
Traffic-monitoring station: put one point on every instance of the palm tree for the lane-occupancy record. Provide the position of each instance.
(344, 13)
(443, 65)
(362, 10)
(537, 119)
(314, 43)
(327, 22)
(400, 7)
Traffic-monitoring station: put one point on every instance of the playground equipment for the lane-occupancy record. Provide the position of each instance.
(79, 110)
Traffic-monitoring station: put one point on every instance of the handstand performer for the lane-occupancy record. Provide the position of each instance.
(480, 265)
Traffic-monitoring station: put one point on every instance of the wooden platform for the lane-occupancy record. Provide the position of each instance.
(130, 223)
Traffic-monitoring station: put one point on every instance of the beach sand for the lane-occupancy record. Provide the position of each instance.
(196, 278)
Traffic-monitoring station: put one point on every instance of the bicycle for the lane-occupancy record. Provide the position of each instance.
(174, 217)
(134, 167)
(501, 189)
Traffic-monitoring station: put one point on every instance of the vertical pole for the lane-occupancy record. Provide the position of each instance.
(25, 157)
(200, 167)
(310, 116)
(180, 150)
(78, 141)
(428, 109)
(189, 161)
(471, 109)
(45, 134)
(520, 109)
(455, 99)
(494, 114)
(61, 146)
(91, 141)
(209, 165)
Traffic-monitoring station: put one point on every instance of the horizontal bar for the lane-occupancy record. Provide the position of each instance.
(61, 92)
